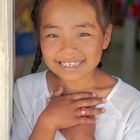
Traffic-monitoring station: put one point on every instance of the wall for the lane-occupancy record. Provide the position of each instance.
(6, 66)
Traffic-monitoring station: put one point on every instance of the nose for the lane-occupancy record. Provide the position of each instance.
(68, 46)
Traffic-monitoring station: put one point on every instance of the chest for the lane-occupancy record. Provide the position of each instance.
(110, 125)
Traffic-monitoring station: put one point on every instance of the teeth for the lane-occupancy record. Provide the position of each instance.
(70, 64)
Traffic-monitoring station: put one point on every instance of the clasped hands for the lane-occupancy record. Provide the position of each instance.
(73, 114)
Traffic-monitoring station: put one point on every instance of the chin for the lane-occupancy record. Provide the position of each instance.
(71, 76)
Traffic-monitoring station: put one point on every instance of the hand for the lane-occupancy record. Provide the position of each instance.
(63, 111)
(82, 132)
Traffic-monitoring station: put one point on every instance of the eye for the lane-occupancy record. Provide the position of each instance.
(52, 36)
(84, 34)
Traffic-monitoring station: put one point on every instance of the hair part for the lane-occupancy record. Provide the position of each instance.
(104, 18)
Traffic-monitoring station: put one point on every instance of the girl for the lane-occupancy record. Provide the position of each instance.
(74, 99)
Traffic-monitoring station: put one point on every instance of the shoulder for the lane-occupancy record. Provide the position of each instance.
(31, 79)
(125, 97)
(129, 92)
(32, 86)
(29, 98)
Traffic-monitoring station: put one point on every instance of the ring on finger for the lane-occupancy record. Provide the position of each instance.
(83, 111)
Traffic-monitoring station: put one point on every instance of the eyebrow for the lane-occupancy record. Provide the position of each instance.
(83, 25)
(50, 26)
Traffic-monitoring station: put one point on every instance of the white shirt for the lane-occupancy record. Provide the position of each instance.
(121, 120)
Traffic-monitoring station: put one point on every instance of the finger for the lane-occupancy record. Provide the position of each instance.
(90, 112)
(81, 95)
(89, 102)
(58, 92)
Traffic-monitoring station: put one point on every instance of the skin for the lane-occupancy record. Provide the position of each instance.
(70, 32)
(69, 44)
(66, 42)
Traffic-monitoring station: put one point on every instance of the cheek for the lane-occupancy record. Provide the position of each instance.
(48, 51)
(92, 47)
(93, 52)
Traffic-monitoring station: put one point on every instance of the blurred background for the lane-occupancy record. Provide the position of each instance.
(122, 59)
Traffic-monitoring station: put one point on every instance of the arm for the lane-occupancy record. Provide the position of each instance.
(40, 133)
(80, 132)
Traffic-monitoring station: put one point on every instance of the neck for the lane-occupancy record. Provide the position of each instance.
(84, 84)
(78, 85)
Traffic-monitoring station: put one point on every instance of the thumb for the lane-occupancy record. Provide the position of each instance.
(58, 92)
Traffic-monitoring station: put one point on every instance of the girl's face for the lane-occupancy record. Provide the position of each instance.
(71, 40)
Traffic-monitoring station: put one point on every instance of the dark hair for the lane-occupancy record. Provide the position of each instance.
(102, 7)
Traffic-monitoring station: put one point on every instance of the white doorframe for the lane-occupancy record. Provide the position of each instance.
(6, 66)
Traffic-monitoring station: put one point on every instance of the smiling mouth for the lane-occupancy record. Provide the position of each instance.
(73, 64)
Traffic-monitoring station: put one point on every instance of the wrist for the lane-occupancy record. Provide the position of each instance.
(83, 138)
(46, 124)
(43, 133)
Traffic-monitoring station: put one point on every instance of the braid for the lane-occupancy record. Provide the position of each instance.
(37, 60)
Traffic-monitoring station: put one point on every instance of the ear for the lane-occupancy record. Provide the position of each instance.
(107, 36)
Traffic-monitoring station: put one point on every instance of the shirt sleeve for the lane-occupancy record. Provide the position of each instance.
(20, 129)
(132, 131)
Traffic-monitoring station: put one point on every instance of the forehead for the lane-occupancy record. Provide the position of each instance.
(54, 4)
(67, 2)
(69, 10)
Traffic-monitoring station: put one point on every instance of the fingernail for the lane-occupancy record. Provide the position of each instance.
(104, 100)
(48, 99)
(103, 110)
(93, 94)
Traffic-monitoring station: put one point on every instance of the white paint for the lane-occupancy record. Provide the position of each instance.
(6, 66)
